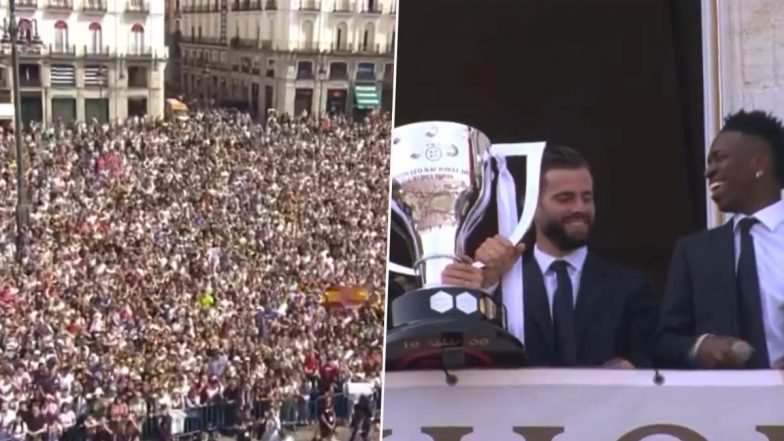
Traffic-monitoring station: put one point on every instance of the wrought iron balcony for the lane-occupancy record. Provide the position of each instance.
(59, 5)
(343, 6)
(26, 5)
(310, 5)
(137, 7)
(94, 6)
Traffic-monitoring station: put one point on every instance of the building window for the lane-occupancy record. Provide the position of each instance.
(340, 37)
(62, 75)
(95, 76)
(137, 39)
(307, 35)
(25, 30)
(368, 37)
(338, 71)
(29, 75)
(96, 41)
(366, 71)
(60, 36)
(137, 77)
(305, 70)
(389, 72)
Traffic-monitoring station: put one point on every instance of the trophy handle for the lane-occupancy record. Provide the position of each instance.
(394, 267)
(533, 152)
(400, 269)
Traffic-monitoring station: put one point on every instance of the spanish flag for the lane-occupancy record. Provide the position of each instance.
(344, 297)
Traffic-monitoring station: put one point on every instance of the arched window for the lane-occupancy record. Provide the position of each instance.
(307, 34)
(96, 40)
(25, 30)
(137, 39)
(369, 37)
(341, 37)
(60, 36)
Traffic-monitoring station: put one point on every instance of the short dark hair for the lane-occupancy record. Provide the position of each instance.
(763, 125)
(561, 157)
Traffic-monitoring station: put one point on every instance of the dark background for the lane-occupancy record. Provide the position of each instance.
(618, 80)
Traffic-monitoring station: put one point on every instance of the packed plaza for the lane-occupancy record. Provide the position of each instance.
(179, 268)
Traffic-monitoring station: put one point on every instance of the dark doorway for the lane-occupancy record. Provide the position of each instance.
(254, 100)
(63, 109)
(620, 81)
(96, 108)
(386, 99)
(303, 101)
(137, 107)
(336, 101)
(269, 93)
(32, 108)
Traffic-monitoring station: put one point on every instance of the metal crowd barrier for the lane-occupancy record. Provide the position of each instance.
(294, 412)
(221, 419)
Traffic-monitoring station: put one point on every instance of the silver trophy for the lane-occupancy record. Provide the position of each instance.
(442, 175)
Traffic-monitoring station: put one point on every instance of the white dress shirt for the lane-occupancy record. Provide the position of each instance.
(768, 237)
(576, 261)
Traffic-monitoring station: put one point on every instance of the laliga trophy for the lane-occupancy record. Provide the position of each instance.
(442, 175)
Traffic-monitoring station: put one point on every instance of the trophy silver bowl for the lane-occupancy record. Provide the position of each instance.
(442, 176)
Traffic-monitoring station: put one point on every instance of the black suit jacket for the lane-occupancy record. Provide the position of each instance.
(700, 296)
(615, 315)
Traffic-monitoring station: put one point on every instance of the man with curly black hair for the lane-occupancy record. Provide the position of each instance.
(723, 305)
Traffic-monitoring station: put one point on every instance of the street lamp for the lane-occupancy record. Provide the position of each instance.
(322, 74)
(21, 187)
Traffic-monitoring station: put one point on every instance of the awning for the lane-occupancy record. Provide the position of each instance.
(366, 96)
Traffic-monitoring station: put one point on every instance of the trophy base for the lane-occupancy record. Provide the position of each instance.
(450, 328)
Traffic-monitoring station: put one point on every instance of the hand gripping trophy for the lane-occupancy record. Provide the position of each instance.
(442, 176)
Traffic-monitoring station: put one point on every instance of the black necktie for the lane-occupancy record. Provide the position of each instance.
(752, 329)
(563, 315)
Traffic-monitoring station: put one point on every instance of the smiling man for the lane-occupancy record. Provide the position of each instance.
(724, 302)
(579, 310)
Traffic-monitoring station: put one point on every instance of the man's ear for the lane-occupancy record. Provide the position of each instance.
(760, 162)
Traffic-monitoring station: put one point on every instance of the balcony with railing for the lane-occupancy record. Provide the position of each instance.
(59, 5)
(248, 5)
(202, 8)
(372, 48)
(62, 50)
(137, 7)
(211, 41)
(304, 46)
(343, 6)
(24, 5)
(97, 51)
(371, 7)
(341, 47)
(243, 43)
(139, 52)
(271, 5)
(309, 5)
(94, 6)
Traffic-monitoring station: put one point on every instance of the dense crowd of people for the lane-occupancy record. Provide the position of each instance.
(175, 265)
